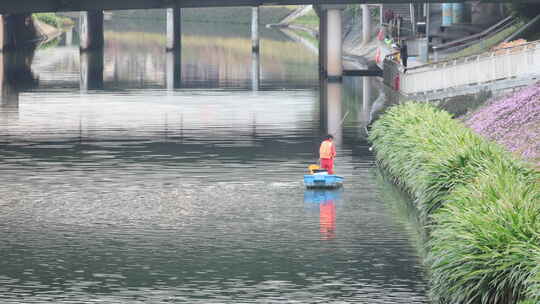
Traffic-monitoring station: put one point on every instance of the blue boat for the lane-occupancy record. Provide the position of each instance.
(323, 181)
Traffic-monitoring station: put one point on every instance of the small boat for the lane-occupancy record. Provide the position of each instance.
(323, 181)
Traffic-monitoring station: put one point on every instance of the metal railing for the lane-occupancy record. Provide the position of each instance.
(513, 62)
(472, 39)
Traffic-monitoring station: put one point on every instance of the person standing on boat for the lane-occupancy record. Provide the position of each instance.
(327, 153)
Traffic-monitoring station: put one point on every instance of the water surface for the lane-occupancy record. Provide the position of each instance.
(136, 192)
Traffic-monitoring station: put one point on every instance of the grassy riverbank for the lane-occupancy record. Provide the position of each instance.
(233, 15)
(54, 20)
(480, 204)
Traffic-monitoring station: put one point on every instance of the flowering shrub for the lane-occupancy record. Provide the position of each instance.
(513, 121)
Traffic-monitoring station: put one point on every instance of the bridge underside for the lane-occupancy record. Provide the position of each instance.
(31, 6)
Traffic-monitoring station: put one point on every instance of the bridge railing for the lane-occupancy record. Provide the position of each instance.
(512, 62)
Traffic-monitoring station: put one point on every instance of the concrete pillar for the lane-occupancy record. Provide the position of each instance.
(91, 32)
(334, 45)
(323, 105)
(9, 96)
(91, 70)
(322, 42)
(174, 29)
(413, 19)
(366, 24)
(15, 31)
(174, 70)
(255, 29)
(4, 41)
(255, 71)
(69, 37)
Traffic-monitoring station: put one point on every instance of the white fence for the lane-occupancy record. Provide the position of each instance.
(515, 62)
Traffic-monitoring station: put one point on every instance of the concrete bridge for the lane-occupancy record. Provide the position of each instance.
(33, 6)
(91, 22)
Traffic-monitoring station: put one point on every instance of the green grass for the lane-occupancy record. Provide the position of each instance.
(50, 44)
(307, 36)
(310, 20)
(480, 205)
(54, 20)
(486, 242)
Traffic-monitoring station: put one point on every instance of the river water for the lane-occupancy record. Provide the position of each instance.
(139, 189)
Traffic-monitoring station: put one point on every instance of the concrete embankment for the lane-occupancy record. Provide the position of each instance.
(479, 203)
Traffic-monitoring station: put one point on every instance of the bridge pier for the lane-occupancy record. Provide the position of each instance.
(6, 41)
(15, 75)
(366, 98)
(91, 31)
(174, 70)
(255, 29)
(17, 32)
(174, 29)
(334, 44)
(330, 41)
(322, 41)
(9, 96)
(366, 24)
(91, 70)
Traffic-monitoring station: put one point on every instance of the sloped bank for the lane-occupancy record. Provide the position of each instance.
(480, 204)
(513, 121)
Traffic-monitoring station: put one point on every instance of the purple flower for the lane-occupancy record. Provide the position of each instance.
(513, 121)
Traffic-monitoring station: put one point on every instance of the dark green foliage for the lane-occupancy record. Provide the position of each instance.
(481, 205)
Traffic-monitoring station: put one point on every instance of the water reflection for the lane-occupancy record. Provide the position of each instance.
(325, 201)
(139, 60)
(174, 70)
(15, 75)
(366, 99)
(91, 69)
(331, 104)
(255, 71)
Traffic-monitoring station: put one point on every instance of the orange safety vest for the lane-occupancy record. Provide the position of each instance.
(327, 150)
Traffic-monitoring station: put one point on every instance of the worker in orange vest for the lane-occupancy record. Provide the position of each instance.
(327, 153)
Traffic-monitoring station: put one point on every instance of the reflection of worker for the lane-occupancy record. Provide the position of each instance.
(327, 218)
(327, 153)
